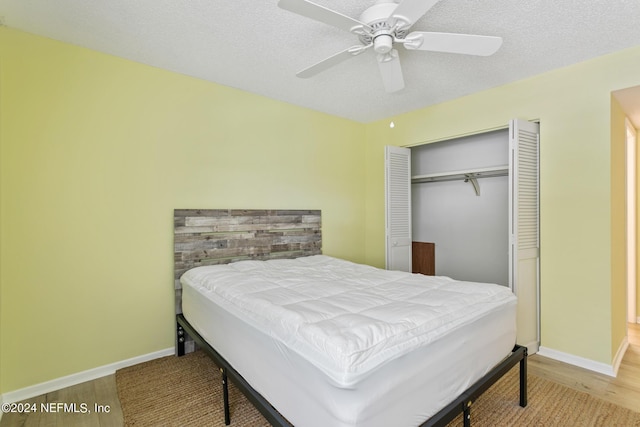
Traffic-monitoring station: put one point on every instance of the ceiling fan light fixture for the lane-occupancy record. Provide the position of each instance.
(383, 43)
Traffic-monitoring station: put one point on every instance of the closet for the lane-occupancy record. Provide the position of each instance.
(474, 202)
(460, 202)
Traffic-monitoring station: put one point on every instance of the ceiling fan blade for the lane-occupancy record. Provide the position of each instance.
(324, 15)
(329, 62)
(409, 11)
(391, 71)
(467, 44)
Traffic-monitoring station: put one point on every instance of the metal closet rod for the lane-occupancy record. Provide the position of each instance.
(470, 175)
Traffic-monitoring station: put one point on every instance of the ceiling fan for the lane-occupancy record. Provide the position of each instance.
(384, 25)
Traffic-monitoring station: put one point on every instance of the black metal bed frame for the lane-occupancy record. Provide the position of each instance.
(462, 404)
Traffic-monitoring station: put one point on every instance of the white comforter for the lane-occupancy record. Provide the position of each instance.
(345, 318)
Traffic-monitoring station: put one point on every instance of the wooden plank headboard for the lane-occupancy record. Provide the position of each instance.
(221, 236)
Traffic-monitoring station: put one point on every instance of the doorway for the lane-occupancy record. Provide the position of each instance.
(629, 100)
(631, 222)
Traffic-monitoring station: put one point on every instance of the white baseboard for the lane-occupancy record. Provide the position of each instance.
(617, 360)
(80, 377)
(581, 362)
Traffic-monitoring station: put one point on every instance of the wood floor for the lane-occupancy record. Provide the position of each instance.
(623, 391)
(101, 392)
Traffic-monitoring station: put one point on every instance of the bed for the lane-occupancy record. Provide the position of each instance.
(314, 340)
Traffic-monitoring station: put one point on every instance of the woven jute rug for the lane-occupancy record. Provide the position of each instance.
(187, 391)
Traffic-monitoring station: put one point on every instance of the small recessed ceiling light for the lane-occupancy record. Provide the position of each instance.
(392, 125)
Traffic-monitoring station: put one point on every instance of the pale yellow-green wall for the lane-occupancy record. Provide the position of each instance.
(573, 105)
(96, 152)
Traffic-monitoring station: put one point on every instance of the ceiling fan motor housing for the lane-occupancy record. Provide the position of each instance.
(377, 13)
(383, 34)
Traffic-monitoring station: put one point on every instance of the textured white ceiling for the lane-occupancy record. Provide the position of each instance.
(258, 47)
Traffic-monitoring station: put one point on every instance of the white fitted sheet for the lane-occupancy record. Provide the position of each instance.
(405, 386)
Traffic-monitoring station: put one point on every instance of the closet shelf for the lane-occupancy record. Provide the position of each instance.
(469, 175)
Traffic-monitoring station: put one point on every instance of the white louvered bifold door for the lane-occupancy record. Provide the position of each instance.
(524, 226)
(398, 208)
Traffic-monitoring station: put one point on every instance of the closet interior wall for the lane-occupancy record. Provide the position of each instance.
(470, 231)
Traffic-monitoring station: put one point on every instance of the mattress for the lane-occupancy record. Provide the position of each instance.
(330, 342)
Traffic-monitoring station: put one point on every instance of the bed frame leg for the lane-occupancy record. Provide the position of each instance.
(523, 380)
(466, 414)
(180, 338)
(225, 397)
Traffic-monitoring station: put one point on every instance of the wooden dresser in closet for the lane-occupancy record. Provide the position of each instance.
(423, 258)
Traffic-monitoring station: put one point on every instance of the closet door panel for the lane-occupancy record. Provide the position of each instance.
(398, 208)
(524, 227)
